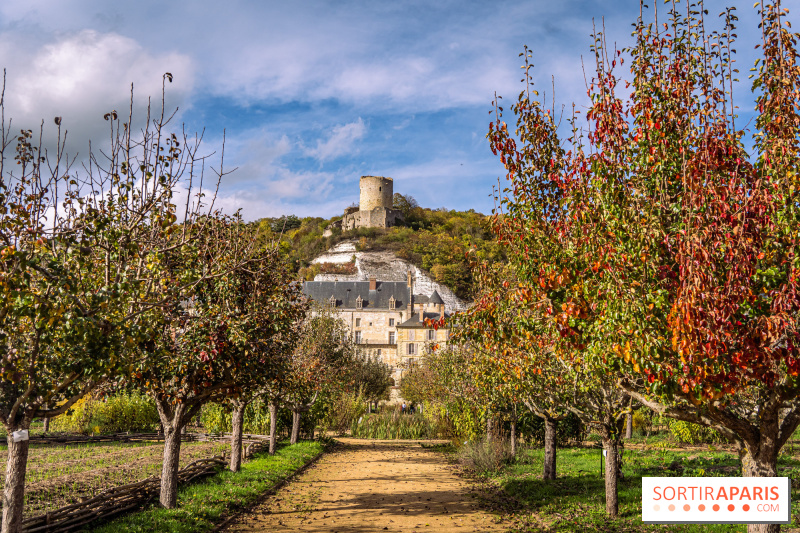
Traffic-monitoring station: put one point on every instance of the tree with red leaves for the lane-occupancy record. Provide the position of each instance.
(668, 254)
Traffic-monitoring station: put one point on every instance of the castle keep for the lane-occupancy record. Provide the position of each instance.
(375, 206)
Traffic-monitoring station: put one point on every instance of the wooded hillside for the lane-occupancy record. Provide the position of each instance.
(436, 240)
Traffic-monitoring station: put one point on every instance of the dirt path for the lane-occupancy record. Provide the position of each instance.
(372, 486)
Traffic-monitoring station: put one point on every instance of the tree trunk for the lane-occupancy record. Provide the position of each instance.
(550, 426)
(236, 436)
(489, 429)
(629, 426)
(295, 426)
(14, 485)
(273, 426)
(513, 438)
(172, 419)
(46, 424)
(612, 477)
(763, 464)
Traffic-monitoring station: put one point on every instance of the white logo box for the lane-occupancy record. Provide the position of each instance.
(716, 500)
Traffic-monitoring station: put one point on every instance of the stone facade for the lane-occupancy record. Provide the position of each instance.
(385, 319)
(375, 207)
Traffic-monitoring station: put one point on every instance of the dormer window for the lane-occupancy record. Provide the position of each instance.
(332, 301)
(392, 302)
(359, 303)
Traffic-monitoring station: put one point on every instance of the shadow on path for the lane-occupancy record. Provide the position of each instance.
(372, 486)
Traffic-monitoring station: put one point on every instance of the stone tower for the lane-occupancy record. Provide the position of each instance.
(375, 207)
(376, 191)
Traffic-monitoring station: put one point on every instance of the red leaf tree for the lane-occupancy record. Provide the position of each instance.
(670, 252)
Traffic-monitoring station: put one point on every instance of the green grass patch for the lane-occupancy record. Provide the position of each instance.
(204, 504)
(576, 499)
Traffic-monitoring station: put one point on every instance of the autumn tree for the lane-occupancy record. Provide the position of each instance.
(516, 351)
(318, 363)
(77, 270)
(219, 336)
(372, 377)
(682, 281)
(723, 244)
(264, 310)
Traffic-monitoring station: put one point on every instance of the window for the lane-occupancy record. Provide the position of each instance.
(431, 335)
(358, 337)
(392, 303)
(358, 322)
(332, 301)
(379, 352)
(359, 303)
(391, 337)
(412, 349)
(370, 324)
(391, 322)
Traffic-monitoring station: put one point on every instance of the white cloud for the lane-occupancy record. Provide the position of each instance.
(340, 142)
(83, 75)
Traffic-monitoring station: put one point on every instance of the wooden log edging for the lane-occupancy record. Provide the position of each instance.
(115, 500)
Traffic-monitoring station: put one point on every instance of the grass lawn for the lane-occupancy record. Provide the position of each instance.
(576, 499)
(204, 504)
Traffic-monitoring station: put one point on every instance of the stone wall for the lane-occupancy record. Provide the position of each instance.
(379, 217)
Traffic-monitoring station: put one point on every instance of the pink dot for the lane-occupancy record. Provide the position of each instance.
(687, 507)
(671, 507)
(746, 507)
(731, 507)
(701, 507)
(716, 507)
(656, 507)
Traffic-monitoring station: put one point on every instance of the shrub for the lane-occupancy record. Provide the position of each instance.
(339, 268)
(688, 433)
(642, 423)
(343, 412)
(216, 418)
(115, 414)
(485, 456)
(394, 426)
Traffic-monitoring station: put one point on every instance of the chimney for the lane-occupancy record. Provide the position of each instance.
(410, 284)
(422, 313)
(373, 284)
(441, 310)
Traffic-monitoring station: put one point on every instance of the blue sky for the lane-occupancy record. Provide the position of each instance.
(313, 94)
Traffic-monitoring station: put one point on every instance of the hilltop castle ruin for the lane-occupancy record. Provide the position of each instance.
(375, 209)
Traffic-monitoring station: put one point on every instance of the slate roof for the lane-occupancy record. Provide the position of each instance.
(347, 292)
(414, 321)
(432, 299)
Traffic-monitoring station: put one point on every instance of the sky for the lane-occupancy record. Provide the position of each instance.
(311, 95)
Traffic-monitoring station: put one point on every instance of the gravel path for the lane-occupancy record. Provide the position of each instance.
(366, 485)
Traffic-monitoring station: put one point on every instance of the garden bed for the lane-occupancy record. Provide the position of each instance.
(60, 475)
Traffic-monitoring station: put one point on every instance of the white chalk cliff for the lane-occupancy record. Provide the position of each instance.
(385, 266)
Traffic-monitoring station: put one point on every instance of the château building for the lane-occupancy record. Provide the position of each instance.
(385, 318)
